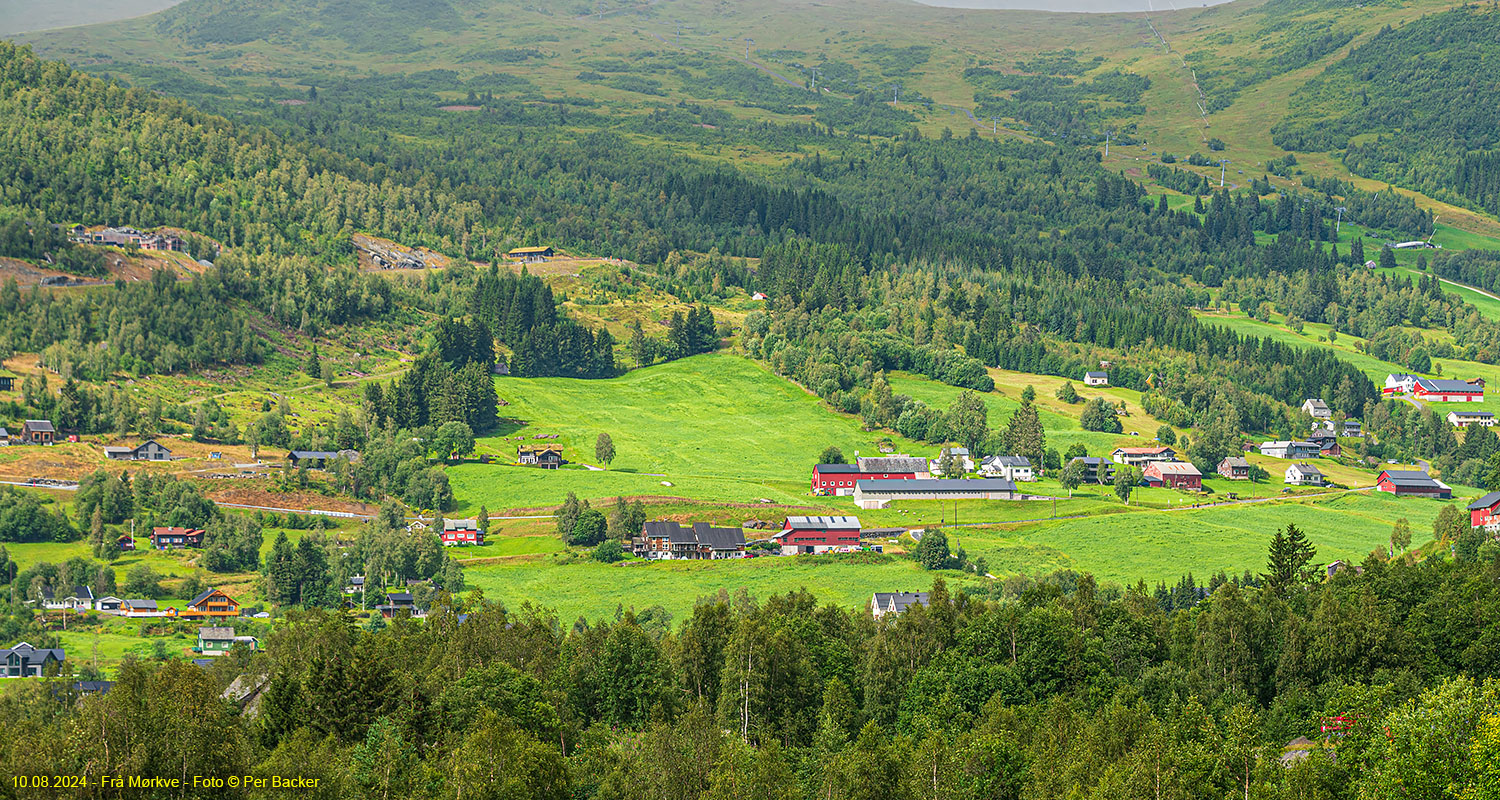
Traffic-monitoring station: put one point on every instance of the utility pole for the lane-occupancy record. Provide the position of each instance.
(1107, 135)
(1223, 165)
(748, 42)
(1339, 221)
(895, 95)
(995, 126)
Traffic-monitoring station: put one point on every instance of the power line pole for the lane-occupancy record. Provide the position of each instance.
(1107, 135)
(1339, 221)
(1223, 162)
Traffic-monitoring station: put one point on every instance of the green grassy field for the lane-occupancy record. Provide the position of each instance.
(710, 415)
(1136, 544)
(595, 590)
(1163, 545)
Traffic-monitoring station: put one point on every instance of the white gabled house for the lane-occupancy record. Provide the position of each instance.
(1011, 468)
(1300, 474)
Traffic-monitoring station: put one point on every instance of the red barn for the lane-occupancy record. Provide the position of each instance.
(1411, 482)
(839, 479)
(1485, 512)
(1438, 390)
(1173, 475)
(818, 535)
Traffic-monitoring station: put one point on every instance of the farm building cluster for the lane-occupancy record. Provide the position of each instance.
(126, 237)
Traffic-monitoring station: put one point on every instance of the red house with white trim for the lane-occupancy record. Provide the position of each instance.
(1439, 390)
(1485, 512)
(803, 535)
(457, 532)
(839, 479)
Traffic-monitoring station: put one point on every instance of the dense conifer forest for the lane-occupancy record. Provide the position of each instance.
(1047, 688)
(1406, 107)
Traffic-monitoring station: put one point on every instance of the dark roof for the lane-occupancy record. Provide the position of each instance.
(1011, 461)
(928, 485)
(143, 604)
(216, 633)
(38, 425)
(1235, 461)
(399, 598)
(1446, 385)
(93, 687)
(899, 601)
(834, 469)
(204, 596)
(203, 662)
(83, 592)
(1409, 477)
(1096, 374)
(326, 455)
(719, 538)
(1488, 501)
(30, 655)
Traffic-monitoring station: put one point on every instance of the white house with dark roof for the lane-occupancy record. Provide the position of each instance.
(1096, 378)
(1290, 449)
(1011, 468)
(1301, 474)
(892, 603)
(1316, 408)
(1399, 383)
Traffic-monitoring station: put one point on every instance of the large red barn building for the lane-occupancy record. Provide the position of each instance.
(1411, 482)
(818, 535)
(839, 479)
(1438, 390)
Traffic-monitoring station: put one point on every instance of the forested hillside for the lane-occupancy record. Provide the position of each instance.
(1056, 688)
(1415, 106)
(983, 224)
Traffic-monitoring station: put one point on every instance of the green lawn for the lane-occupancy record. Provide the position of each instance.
(595, 590)
(1163, 545)
(710, 415)
(717, 428)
